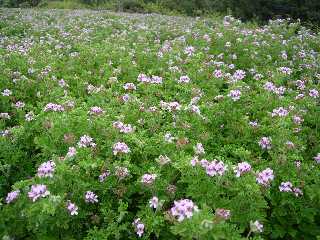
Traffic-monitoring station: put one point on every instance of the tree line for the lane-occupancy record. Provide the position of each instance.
(259, 10)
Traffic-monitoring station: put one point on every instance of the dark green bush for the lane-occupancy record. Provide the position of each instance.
(132, 6)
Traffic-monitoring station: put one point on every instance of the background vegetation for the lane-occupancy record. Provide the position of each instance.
(261, 10)
(149, 126)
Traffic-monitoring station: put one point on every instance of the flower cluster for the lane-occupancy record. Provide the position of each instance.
(256, 226)
(199, 149)
(120, 147)
(72, 151)
(72, 208)
(183, 208)
(152, 80)
(242, 168)
(139, 227)
(170, 106)
(53, 107)
(121, 172)
(6, 93)
(148, 179)
(91, 197)
(288, 187)
(184, 79)
(123, 128)
(129, 86)
(38, 191)
(235, 94)
(103, 176)
(265, 143)
(215, 168)
(280, 112)
(86, 141)
(12, 196)
(265, 177)
(154, 202)
(223, 213)
(96, 111)
(46, 169)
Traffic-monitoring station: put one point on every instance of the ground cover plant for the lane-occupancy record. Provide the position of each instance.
(131, 126)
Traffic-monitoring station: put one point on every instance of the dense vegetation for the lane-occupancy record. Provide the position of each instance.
(260, 10)
(125, 126)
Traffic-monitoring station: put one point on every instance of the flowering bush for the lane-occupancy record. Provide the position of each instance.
(119, 126)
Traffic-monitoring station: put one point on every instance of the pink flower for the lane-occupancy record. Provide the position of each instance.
(154, 202)
(299, 96)
(129, 86)
(239, 75)
(103, 176)
(46, 169)
(314, 93)
(90, 197)
(174, 106)
(38, 191)
(183, 208)
(72, 208)
(285, 187)
(222, 213)
(256, 226)
(62, 83)
(253, 124)
(189, 50)
(265, 143)
(285, 70)
(139, 227)
(242, 168)
(194, 161)
(72, 151)
(218, 73)
(53, 107)
(281, 112)
(297, 119)
(300, 84)
(199, 149)
(265, 177)
(204, 163)
(120, 147)
(29, 116)
(86, 141)
(148, 179)
(143, 78)
(121, 172)
(12, 196)
(184, 79)
(96, 111)
(297, 192)
(235, 94)
(20, 104)
(123, 128)
(125, 97)
(215, 168)
(6, 93)
(156, 80)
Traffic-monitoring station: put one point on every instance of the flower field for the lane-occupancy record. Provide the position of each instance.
(132, 126)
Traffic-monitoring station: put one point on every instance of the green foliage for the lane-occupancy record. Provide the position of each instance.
(69, 74)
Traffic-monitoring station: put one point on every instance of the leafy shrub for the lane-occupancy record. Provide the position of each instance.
(132, 6)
